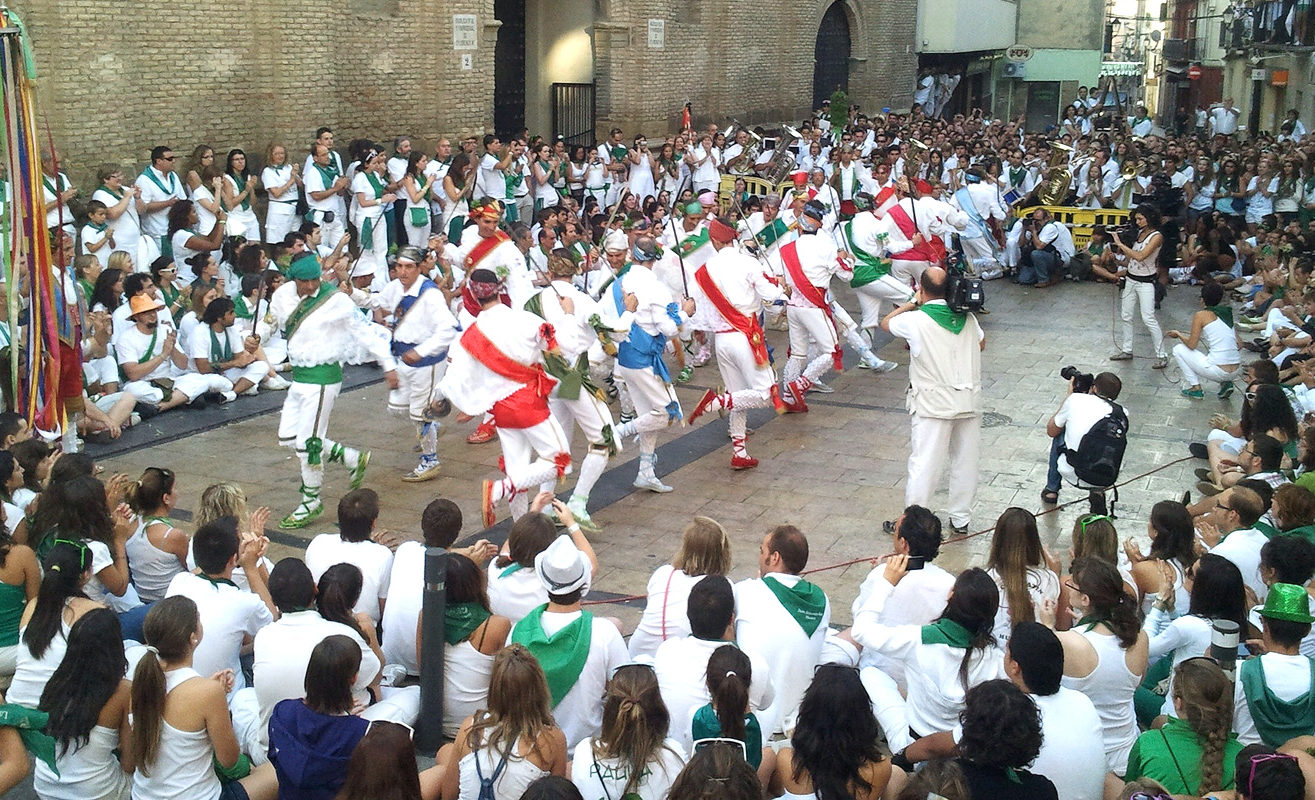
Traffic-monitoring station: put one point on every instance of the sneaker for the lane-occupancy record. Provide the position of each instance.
(228, 397)
(134, 419)
(358, 471)
(1161, 363)
(274, 383)
(820, 388)
(1225, 390)
(1121, 356)
(651, 483)
(582, 518)
(1208, 489)
(1204, 474)
(1193, 393)
(302, 515)
(426, 470)
(959, 530)
(251, 391)
(870, 361)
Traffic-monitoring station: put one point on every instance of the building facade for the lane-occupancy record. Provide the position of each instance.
(117, 78)
(1268, 56)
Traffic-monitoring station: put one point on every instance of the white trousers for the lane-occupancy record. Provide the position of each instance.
(280, 220)
(649, 393)
(810, 325)
(908, 272)
(1136, 293)
(1196, 365)
(1276, 321)
(887, 289)
(255, 372)
(520, 445)
(101, 370)
(416, 236)
(374, 259)
(306, 410)
(931, 443)
(587, 412)
(415, 389)
(979, 252)
(189, 384)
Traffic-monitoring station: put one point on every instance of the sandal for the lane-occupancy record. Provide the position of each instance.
(1049, 497)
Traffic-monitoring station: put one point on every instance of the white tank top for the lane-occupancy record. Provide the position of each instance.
(1221, 342)
(184, 768)
(1182, 598)
(516, 776)
(1145, 267)
(1110, 687)
(466, 675)
(152, 568)
(32, 674)
(89, 772)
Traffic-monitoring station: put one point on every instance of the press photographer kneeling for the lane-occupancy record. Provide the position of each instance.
(1089, 434)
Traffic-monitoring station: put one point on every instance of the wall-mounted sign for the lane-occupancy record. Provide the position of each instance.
(1019, 52)
(657, 33)
(464, 36)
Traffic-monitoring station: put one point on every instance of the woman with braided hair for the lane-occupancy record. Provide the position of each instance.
(1194, 752)
(633, 757)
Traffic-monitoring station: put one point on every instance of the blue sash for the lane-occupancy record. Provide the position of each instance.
(970, 208)
(403, 307)
(641, 349)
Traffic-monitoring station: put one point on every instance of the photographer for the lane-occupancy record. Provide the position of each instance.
(1140, 275)
(1047, 246)
(1089, 401)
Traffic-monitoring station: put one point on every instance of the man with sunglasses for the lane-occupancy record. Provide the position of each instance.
(160, 189)
(1229, 531)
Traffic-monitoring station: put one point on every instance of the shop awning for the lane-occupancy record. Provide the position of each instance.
(1121, 69)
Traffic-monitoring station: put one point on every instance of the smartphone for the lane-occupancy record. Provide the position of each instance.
(916, 562)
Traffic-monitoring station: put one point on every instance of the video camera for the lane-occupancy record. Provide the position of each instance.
(963, 292)
(1082, 381)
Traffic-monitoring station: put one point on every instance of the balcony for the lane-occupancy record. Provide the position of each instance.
(1180, 50)
(1268, 25)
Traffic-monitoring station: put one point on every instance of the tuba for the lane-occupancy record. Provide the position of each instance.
(783, 162)
(1058, 178)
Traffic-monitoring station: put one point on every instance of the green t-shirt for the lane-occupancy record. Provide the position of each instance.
(1172, 756)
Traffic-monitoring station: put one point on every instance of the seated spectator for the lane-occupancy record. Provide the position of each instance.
(941, 778)
(555, 634)
(312, 739)
(1001, 736)
(705, 549)
(729, 715)
(473, 635)
(1287, 559)
(224, 352)
(1274, 696)
(353, 544)
(514, 588)
(384, 765)
(158, 550)
(1193, 753)
(552, 787)
(183, 738)
(1293, 511)
(228, 500)
(1230, 533)
(60, 602)
(164, 278)
(1021, 569)
(833, 751)
(20, 580)
(1160, 574)
(632, 757)
(155, 368)
(717, 772)
(11, 480)
(513, 743)
(34, 457)
(782, 618)
(1263, 774)
(187, 241)
(227, 613)
(682, 664)
(87, 700)
(200, 295)
(336, 594)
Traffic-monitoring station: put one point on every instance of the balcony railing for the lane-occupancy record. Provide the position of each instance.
(1180, 50)
(1271, 24)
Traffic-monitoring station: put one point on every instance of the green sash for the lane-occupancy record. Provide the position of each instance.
(305, 307)
(570, 379)
(771, 233)
(1276, 720)
(111, 192)
(461, 619)
(1015, 176)
(691, 243)
(947, 632)
(60, 184)
(952, 321)
(150, 347)
(241, 182)
(30, 724)
(804, 601)
(867, 267)
(173, 179)
(241, 309)
(1224, 312)
(561, 655)
(328, 174)
(219, 353)
(511, 569)
(169, 294)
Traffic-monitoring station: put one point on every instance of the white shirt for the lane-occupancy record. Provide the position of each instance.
(132, 346)
(763, 626)
(606, 779)
(282, 653)
(314, 182)
(1288, 677)
(1224, 120)
(1077, 416)
(429, 324)
(199, 345)
(707, 171)
(520, 592)
(374, 560)
(406, 585)
(489, 180)
(1071, 757)
(666, 613)
(1042, 585)
(227, 614)
(127, 228)
(682, 672)
(156, 223)
(1242, 547)
(580, 713)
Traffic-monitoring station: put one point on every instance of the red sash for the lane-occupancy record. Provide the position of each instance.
(932, 249)
(746, 325)
(814, 295)
(527, 406)
(485, 246)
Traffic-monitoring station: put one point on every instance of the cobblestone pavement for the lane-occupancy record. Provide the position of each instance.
(836, 472)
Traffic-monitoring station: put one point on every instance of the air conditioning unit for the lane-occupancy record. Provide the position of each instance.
(1015, 69)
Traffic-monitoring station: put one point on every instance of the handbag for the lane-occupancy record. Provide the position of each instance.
(419, 217)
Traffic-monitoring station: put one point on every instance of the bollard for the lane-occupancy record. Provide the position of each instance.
(429, 726)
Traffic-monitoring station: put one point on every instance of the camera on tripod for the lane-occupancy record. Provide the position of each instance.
(1081, 380)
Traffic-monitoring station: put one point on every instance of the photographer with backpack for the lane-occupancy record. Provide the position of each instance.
(1089, 434)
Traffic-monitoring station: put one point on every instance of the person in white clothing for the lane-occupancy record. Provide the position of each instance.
(121, 202)
(871, 237)
(783, 620)
(155, 368)
(57, 191)
(1213, 325)
(1223, 118)
(681, 662)
(705, 549)
(1078, 414)
(354, 544)
(980, 200)
(325, 189)
(944, 399)
(1229, 531)
(159, 188)
(703, 162)
(227, 613)
(1141, 271)
(282, 181)
(1272, 696)
(370, 201)
(808, 263)
(514, 588)
(215, 347)
(576, 676)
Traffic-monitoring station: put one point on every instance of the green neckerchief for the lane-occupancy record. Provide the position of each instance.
(219, 353)
(620, 151)
(461, 619)
(561, 655)
(241, 309)
(375, 184)
(1276, 720)
(216, 582)
(510, 570)
(1016, 175)
(1224, 312)
(692, 242)
(1091, 621)
(952, 321)
(1266, 528)
(241, 181)
(169, 294)
(31, 725)
(150, 347)
(305, 307)
(328, 174)
(804, 601)
(60, 184)
(947, 632)
(150, 173)
(867, 267)
(116, 195)
(87, 288)
(101, 228)
(1306, 532)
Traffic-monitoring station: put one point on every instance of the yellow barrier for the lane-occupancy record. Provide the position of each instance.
(1080, 221)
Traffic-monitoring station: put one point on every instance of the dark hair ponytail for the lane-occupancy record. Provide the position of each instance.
(168, 630)
(729, 675)
(1100, 581)
(973, 604)
(64, 566)
(338, 591)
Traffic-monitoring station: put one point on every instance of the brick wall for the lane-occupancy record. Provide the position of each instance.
(117, 78)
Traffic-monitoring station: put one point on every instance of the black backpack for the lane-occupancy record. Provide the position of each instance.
(1099, 456)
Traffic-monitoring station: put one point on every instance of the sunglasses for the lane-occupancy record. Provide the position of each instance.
(1090, 519)
(1256, 761)
(699, 744)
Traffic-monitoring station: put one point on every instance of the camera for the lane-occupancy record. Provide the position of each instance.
(1081, 380)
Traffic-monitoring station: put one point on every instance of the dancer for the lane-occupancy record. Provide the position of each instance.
(809, 263)
(497, 366)
(736, 288)
(324, 330)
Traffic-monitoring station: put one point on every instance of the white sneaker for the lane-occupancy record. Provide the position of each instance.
(652, 484)
(251, 391)
(820, 388)
(228, 396)
(274, 383)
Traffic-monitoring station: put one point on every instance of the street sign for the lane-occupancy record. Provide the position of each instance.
(1018, 52)
(1194, 72)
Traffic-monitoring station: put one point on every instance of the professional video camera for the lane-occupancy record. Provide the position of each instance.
(1081, 380)
(963, 292)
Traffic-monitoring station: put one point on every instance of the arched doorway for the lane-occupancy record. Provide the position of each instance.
(831, 54)
(509, 68)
